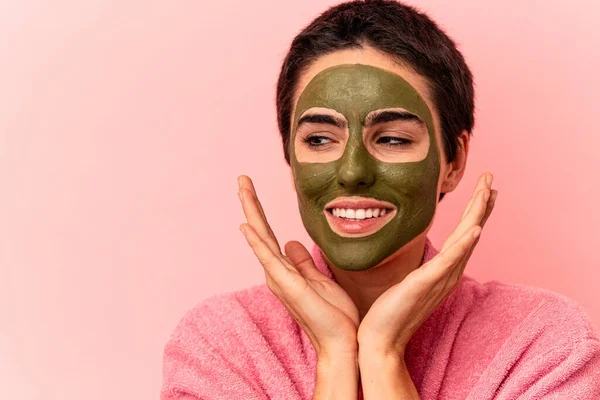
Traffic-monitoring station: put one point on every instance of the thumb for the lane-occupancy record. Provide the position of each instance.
(302, 260)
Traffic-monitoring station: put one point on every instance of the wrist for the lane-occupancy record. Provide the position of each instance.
(385, 376)
(337, 375)
(345, 351)
(381, 365)
(340, 357)
(333, 365)
(381, 357)
(375, 351)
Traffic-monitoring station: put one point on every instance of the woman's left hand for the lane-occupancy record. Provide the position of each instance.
(396, 315)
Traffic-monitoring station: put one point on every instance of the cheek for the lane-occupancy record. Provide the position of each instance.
(411, 180)
(314, 180)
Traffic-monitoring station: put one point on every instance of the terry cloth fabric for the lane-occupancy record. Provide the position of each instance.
(485, 341)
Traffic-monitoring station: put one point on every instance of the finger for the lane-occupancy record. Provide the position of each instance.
(255, 215)
(458, 232)
(449, 260)
(481, 183)
(474, 217)
(456, 275)
(490, 207)
(246, 183)
(493, 198)
(465, 259)
(275, 268)
(302, 260)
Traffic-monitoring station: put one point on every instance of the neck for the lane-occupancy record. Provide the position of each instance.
(364, 287)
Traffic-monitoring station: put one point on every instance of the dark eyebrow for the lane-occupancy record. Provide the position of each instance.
(322, 119)
(388, 116)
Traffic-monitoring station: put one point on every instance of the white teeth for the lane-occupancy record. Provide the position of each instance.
(358, 214)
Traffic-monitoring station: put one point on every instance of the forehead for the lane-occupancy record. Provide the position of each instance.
(345, 82)
(356, 89)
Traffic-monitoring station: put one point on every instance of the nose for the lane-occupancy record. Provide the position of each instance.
(355, 171)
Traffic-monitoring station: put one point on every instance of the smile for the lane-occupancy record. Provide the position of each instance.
(358, 216)
(352, 214)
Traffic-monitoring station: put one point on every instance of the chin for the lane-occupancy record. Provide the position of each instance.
(363, 261)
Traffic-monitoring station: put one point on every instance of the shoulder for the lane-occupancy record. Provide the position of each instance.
(231, 345)
(513, 305)
(228, 317)
(528, 340)
(509, 322)
(508, 338)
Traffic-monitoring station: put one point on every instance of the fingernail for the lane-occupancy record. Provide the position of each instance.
(489, 178)
(240, 195)
(239, 179)
(243, 229)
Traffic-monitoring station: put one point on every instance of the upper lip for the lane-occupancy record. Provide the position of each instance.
(357, 202)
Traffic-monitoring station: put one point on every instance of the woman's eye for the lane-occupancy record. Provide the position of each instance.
(316, 141)
(393, 141)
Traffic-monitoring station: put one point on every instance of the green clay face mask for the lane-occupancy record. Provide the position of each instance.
(345, 145)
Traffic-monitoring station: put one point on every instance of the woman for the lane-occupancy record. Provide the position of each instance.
(375, 108)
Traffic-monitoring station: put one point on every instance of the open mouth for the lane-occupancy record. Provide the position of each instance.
(351, 214)
(355, 223)
(358, 216)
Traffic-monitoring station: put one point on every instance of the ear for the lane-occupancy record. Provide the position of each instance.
(455, 169)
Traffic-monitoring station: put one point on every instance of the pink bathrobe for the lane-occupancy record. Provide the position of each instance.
(485, 341)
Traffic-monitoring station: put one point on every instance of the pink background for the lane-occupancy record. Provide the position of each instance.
(123, 126)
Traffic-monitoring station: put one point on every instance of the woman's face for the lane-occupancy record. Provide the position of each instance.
(365, 157)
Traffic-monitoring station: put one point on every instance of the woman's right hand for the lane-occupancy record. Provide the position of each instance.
(320, 306)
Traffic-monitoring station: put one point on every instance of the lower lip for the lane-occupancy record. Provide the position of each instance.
(364, 227)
